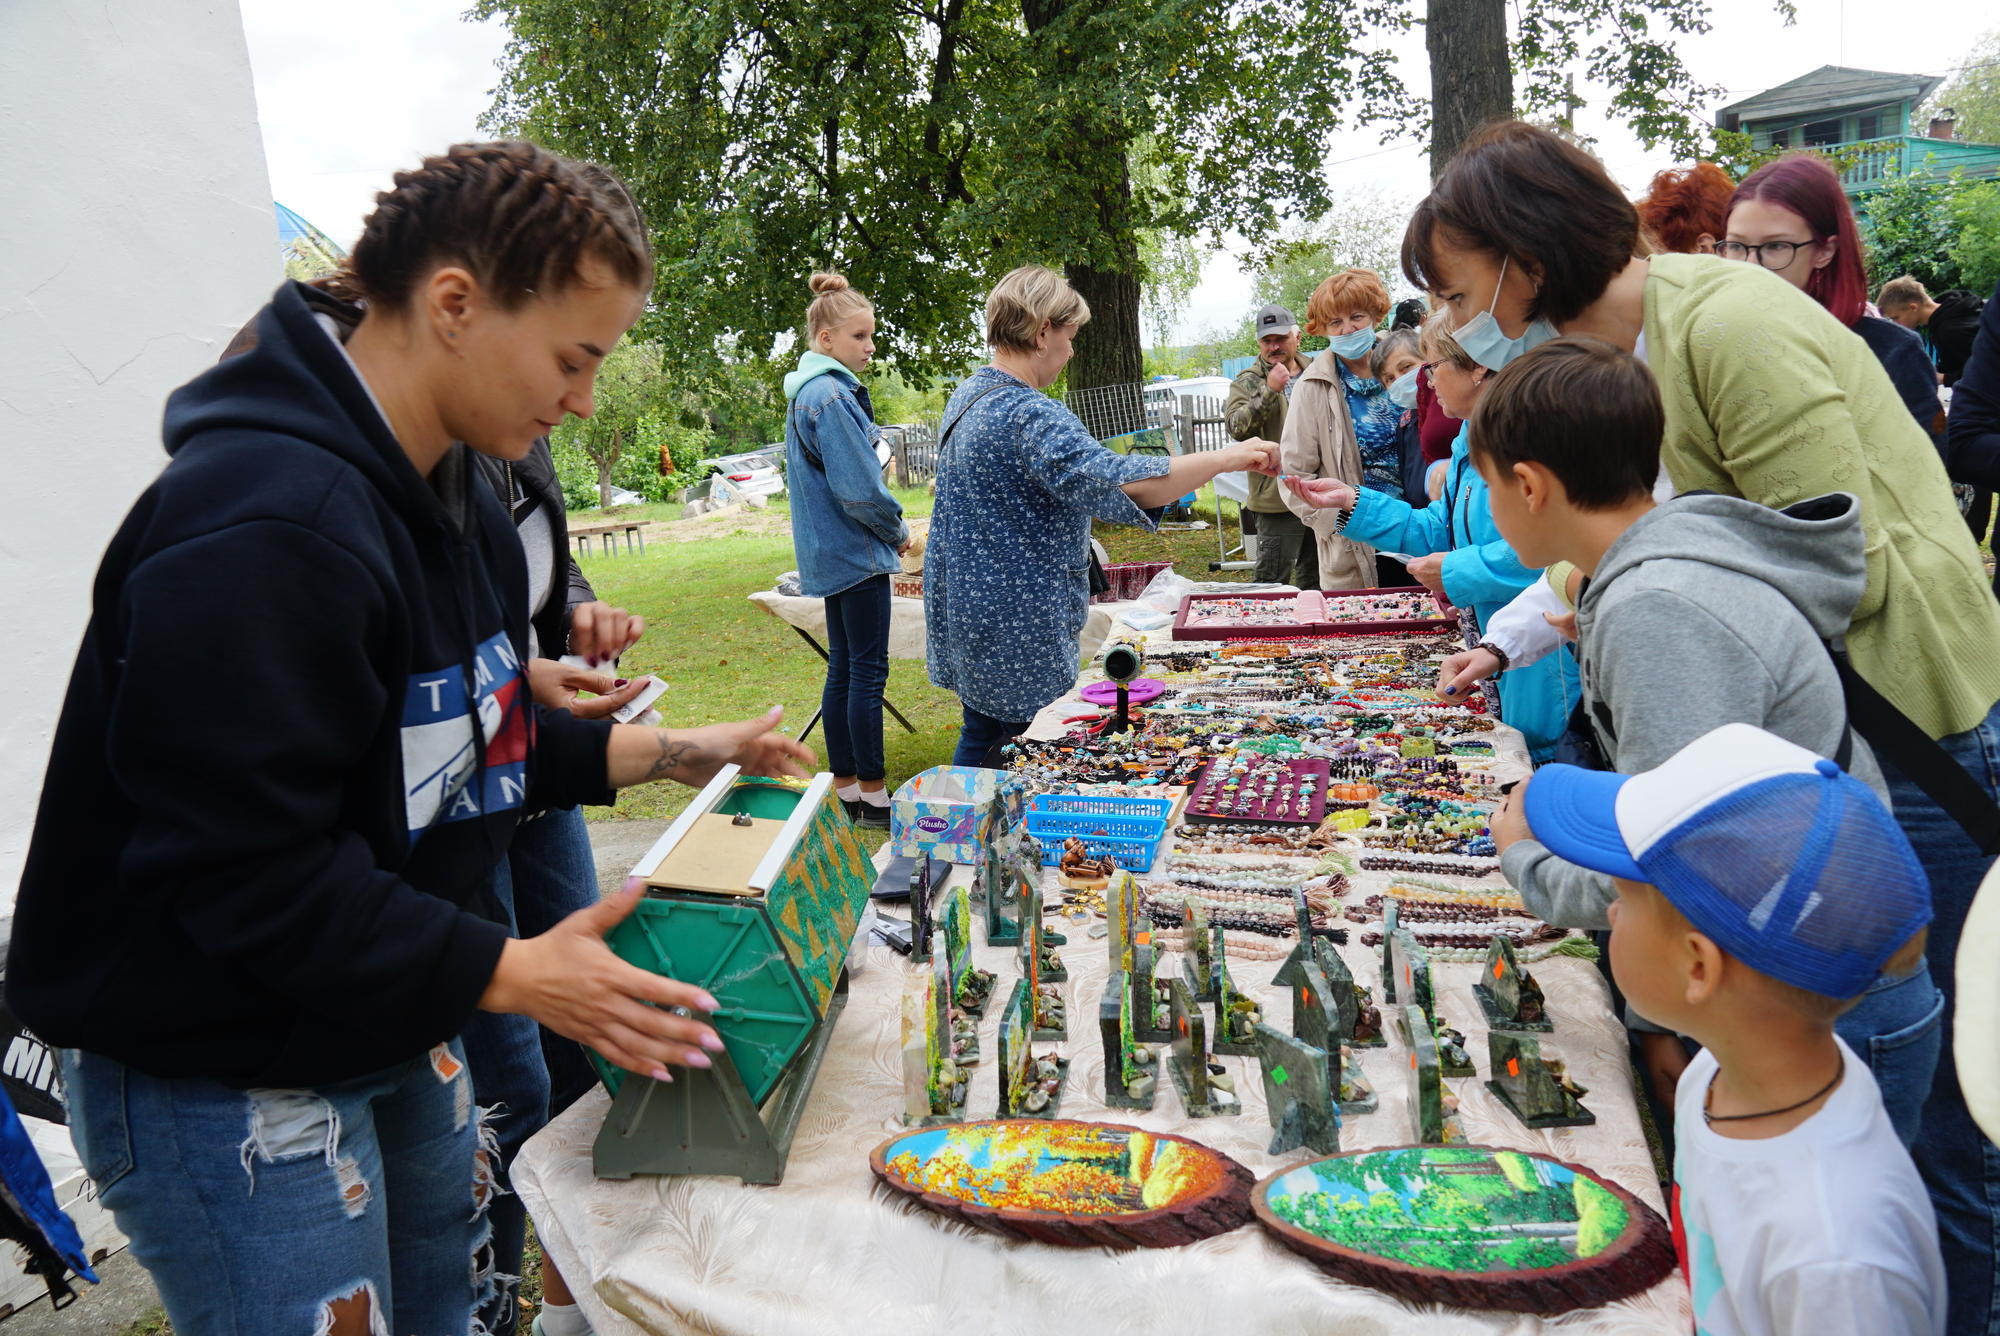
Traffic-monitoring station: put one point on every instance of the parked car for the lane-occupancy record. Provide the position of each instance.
(753, 472)
(621, 496)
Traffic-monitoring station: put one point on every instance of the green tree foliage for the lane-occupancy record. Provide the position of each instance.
(632, 389)
(1973, 92)
(927, 146)
(1363, 229)
(1909, 230)
(1975, 214)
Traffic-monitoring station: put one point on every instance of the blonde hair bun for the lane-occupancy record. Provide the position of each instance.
(826, 281)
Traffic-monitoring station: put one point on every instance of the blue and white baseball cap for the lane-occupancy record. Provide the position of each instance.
(1787, 862)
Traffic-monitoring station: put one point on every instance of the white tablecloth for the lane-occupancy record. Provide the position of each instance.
(827, 1253)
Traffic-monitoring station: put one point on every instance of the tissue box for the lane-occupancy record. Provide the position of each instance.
(952, 812)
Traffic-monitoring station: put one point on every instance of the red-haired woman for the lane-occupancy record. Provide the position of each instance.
(1687, 208)
(1792, 217)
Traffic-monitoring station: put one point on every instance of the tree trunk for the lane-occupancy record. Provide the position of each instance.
(1471, 80)
(1107, 349)
(604, 482)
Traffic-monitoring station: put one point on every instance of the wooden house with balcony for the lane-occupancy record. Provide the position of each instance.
(1866, 116)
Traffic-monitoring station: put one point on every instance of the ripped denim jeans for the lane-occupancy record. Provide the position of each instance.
(271, 1212)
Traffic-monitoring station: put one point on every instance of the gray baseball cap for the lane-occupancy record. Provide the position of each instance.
(1275, 319)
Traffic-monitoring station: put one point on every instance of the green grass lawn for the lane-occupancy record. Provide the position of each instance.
(726, 658)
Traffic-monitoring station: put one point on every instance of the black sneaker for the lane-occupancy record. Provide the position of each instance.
(869, 814)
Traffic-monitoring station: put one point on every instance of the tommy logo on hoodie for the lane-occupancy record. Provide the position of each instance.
(440, 752)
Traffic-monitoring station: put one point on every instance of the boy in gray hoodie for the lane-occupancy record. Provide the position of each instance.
(1696, 612)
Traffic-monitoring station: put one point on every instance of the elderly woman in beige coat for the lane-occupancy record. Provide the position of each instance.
(1319, 438)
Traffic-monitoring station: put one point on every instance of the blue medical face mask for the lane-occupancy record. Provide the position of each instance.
(1486, 344)
(1352, 345)
(1403, 389)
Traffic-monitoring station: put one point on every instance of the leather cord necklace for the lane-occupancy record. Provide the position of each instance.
(1708, 1117)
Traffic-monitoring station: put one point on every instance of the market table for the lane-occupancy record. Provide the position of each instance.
(827, 1252)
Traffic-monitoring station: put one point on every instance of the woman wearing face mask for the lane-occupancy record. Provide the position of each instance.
(1341, 424)
(1463, 550)
(1792, 217)
(1769, 398)
(1397, 365)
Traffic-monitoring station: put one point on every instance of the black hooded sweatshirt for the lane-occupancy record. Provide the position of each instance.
(266, 838)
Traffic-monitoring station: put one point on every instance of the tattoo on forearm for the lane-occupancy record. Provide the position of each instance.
(674, 753)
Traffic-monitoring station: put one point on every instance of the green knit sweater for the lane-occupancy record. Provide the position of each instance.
(1769, 398)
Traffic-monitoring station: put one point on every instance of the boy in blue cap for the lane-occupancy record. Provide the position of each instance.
(1760, 891)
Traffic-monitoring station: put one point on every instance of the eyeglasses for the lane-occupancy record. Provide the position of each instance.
(1771, 254)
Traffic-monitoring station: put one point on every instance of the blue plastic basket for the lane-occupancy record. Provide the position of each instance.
(1043, 825)
(1084, 804)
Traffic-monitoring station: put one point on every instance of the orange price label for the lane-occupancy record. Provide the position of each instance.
(1497, 964)
(1513, 1066)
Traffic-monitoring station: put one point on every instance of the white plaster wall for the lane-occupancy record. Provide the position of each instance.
(136, 235)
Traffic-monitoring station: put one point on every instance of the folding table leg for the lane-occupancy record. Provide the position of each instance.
(820, 650)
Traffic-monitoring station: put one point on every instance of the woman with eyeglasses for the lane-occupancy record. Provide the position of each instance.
(1792, 217)
(1769, 398)
(1342, 423)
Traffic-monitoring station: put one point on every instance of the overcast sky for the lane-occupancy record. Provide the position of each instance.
(345, 103)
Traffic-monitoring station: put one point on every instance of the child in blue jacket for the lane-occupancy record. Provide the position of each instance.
(847, 534)
(1457, 549)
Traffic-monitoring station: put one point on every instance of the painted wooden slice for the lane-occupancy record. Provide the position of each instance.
(1472, 1226)
(1071, 1184)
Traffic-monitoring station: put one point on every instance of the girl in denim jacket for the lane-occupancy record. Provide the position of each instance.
(847, 534)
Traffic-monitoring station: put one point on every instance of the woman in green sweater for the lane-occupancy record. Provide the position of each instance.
(1769, 398)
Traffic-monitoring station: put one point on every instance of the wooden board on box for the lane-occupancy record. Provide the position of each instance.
(718, 856)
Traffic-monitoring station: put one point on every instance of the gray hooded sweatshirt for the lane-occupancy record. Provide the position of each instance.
(1709, 610)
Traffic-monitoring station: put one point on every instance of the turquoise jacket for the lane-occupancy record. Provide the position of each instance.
(1481, 573)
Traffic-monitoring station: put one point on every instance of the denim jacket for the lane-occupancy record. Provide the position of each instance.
(846, 527)
(1006, 575)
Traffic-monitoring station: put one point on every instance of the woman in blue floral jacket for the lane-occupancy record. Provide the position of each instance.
(1006, 574)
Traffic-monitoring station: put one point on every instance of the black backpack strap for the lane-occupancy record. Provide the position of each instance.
(1916, 754)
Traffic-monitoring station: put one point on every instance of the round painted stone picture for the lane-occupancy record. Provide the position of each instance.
(1469, 1225)
(1069, 1183)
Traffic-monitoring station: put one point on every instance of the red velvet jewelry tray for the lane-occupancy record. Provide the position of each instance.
(1390, 626)
(1308, 617)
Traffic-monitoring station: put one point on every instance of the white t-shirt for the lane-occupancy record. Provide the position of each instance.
(1823, 1231)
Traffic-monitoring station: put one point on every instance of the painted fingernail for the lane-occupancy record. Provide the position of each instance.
(708, 1003)
(711, 1041)
(661, 1074)
(622, 682)
(697, 1060)
(1451, 691)
(631, 884)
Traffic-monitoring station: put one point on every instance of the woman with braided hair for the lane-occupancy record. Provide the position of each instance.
(287, 921)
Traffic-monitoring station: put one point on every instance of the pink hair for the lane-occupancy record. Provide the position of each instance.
(1805, 184)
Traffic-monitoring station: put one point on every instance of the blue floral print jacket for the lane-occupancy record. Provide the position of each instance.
(1006, 572)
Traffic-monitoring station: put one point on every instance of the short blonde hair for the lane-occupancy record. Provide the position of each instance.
(1898, 293)
(1348, 290)
(833, 303)
(1436, 344)
(1026, 299)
